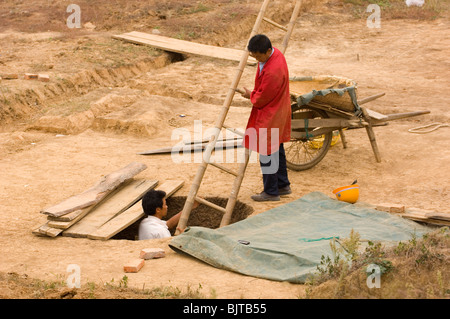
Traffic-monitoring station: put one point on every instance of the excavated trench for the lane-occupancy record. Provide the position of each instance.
(203, 215)
(26, 103)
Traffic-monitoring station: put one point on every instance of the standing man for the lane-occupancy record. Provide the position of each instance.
(269, 124)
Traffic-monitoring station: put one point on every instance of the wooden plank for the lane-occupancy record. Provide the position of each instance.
(194, 147)
(183, 47)
(437, 222)
(66, 224)
(46, 230)
(325, 122)
(96, 193)
(313, 133)
(171, 186)
(131, 215)
(425, 215)
(206, 140)
(376, 115)
(417, 214)
(70, 216)
(114, 204)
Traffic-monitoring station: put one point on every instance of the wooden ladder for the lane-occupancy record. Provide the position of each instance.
(239, 175)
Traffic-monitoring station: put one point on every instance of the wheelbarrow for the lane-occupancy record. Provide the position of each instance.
(322, 108)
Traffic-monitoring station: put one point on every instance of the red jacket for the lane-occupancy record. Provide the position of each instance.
(270, 117)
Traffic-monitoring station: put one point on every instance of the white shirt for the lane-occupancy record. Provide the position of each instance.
(152, 227)
(261, 64)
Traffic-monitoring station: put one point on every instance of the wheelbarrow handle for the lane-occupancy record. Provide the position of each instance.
(371, 98)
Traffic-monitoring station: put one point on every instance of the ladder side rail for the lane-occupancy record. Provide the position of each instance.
(291, 25)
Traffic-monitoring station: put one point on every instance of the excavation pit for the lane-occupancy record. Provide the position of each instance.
(203, 215)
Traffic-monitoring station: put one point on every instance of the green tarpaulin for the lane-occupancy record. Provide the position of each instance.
(286, 243)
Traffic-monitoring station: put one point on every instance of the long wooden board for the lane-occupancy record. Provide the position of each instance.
(131, 215)
(427, 216)
(46, 230)
(96, 193)
(194, 147)
(181, 46)
(67, 224)
(70, 216)
(117, 202)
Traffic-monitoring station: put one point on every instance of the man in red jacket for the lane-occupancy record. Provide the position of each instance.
(269, 124)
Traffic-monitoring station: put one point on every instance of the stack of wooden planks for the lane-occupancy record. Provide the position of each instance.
(417, 214)
(105, 209)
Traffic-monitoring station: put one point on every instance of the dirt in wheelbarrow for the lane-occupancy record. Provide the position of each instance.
(107, 100)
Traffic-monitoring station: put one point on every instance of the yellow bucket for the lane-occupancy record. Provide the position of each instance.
(349, 194)
(318, 142)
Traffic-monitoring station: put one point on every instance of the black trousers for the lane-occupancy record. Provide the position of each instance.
(274, 171)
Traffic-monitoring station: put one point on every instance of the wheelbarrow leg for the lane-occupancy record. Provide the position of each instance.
(344, 141)
(371, 134)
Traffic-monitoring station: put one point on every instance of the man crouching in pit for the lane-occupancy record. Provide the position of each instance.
(155, 207)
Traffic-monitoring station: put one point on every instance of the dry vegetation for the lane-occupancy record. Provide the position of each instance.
(417, 269)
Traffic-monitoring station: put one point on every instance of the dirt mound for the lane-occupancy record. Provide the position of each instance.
(209, 22)
(22, 104)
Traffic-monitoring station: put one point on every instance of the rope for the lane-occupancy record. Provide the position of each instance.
(419, 130)
(317, 239)
(308, 136)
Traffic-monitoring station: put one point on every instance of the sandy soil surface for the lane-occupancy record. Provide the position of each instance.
(62, 148)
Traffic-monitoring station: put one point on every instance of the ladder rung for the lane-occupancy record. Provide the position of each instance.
(208, 203)
(224, 169)
(233, 130)
(275, 24)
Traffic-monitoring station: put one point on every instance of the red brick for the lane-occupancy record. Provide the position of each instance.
(43, 77)
(152, 253)
(30, 76)
(11, 76)
(134, 265)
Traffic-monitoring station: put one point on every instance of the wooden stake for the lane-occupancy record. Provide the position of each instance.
(371, 135)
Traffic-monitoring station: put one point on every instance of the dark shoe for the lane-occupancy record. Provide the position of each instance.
(285, 190)
(263, 197)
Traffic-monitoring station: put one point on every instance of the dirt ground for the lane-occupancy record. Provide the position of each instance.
(107, 101)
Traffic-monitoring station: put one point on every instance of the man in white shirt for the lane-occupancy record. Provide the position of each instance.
(154, 225)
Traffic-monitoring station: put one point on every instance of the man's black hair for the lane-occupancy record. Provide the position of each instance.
(259, 43)
(152, 200)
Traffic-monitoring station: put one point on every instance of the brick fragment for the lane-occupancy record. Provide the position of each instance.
(10, 76)
(134, 265)
(43, 77)
(391, 208)
(30, 76)
(152, 253)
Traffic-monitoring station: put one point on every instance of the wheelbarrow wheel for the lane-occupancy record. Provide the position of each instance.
(302, 154)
